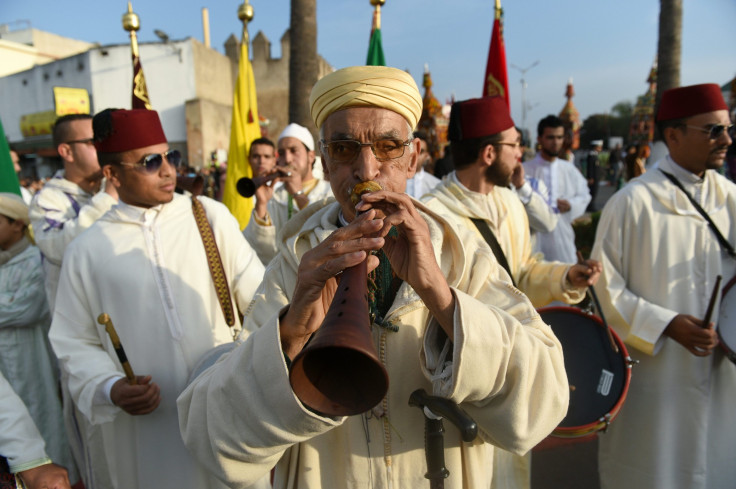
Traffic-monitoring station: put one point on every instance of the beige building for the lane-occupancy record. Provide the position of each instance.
(189, 84)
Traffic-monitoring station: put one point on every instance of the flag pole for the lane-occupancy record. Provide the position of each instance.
(132, 23)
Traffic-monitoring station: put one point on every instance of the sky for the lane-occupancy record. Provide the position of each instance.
(606, 47)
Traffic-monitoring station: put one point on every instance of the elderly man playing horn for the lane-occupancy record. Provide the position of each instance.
(445, 320)
(167, 270)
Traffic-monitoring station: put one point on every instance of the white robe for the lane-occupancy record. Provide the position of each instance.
(147, 269)
(20, 441)
(263, 238)
(660, 259)
(563, 181)
(60, 212)
(241, 417)
(25, 357)
(421, 183)
(541, 281)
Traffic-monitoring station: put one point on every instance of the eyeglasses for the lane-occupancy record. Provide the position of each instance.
(81, 141)
(153, 162)
(514, 145)
(715, 131)
(344, 151)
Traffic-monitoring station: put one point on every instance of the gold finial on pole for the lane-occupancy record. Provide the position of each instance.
(377, 4)
(498, 9)
(131, 23)
(245, 14)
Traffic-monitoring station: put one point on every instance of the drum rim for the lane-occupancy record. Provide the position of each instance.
(730, 353)
(601, 423)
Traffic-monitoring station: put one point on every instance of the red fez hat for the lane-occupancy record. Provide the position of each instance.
(478, 117)
(682, 102)
(118, 130)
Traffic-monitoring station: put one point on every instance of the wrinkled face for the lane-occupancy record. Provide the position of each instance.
(691, 146)
(552, 140)
(508, 155)
(262, 159)
(365, 125)
(138, 187)
(294, 154)
(82, 152)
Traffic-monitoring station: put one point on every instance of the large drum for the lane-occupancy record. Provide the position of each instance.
(598, 375)
(726, 327)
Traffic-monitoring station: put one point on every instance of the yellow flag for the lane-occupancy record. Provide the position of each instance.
(243, 130)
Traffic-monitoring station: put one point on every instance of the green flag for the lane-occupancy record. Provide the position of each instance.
(8, 177)
(375, 46)
(375, 50)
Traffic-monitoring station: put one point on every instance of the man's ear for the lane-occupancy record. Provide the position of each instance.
(112, 174)
(411, 170)
(65, 151)
(325, 170)
(487, 155)
(671, 136)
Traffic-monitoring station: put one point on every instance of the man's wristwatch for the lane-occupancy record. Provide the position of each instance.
(298, 192)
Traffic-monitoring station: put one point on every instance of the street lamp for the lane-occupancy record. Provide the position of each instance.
(523, 91)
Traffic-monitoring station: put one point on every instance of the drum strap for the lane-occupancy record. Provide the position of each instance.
(721, 239)
(214, 261)
(490, 238)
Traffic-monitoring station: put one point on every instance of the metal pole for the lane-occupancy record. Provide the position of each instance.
(523, 91)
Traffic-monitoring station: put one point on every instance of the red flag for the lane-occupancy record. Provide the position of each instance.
(140, 90)
(496, 81)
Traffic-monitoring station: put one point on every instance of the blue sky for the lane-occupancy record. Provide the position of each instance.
(605, 46)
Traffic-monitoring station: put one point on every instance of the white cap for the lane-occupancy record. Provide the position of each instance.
(294, 130)
(12, 206)
(596, 142)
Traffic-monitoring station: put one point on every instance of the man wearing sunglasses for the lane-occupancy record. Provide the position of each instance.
(70, 202)
(145, 265)
(661, 260)
(486, 149)
(276, 205)
(445, 319)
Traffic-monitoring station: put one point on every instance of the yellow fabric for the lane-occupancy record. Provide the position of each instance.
(243, 130)
(366, 86)
(12, 206)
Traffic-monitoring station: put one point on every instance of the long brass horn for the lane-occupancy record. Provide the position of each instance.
(247, 186)
(339, 373)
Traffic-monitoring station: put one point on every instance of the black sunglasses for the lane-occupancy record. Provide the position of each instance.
(715, 131)
(153, 162)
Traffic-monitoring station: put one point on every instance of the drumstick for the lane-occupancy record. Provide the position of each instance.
(712, 303)
(594, 296)
(104, 318)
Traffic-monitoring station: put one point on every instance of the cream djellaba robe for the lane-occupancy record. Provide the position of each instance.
(542, 281)
(147, 269)
(241, 417)
(676, 429)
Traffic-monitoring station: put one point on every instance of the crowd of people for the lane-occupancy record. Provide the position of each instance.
(121, 277)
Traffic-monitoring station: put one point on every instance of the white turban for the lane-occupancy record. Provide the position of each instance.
(366, 86)
(301, 133)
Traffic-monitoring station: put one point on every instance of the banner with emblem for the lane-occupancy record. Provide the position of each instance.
(243, 130)
(496, 81)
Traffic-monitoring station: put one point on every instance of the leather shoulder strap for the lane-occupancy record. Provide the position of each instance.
(214, 261)
(490, 238)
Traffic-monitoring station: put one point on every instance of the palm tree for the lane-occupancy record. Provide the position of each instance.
(669, 47)
(303, 65)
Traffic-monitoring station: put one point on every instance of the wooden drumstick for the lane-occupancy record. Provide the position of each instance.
(594, 296)
(712, 303)
(104, 318)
